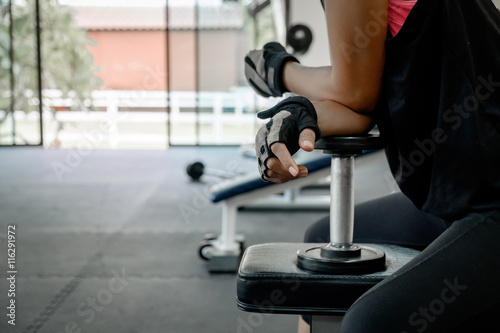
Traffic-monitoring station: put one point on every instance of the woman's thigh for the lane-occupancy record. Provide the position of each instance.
(389, 220)
(450, 286)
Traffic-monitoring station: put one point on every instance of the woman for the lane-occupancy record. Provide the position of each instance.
(428, 73)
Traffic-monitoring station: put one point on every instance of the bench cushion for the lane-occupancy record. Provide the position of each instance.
(270, 281)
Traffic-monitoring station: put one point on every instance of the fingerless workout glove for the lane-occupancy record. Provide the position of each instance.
(264, 69)
(288, 119)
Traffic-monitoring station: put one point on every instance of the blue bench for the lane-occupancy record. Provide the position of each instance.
(253, 182)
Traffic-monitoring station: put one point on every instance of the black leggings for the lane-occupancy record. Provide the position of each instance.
(453, 285)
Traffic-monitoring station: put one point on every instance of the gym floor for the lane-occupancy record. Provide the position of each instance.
(107, 241)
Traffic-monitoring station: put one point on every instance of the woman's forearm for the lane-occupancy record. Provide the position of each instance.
(359, 92)
(336, 119)
(314, 83)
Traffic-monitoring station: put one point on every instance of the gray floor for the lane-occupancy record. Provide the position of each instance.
(107, 241)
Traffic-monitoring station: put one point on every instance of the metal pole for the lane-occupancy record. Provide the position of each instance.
(254, 43)
(169, 125)
(342, 201)
(287, 19)
(12, 79)
(39, 66)
(278, 9)
(197, 70)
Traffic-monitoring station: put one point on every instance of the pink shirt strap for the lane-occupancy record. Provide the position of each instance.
(398, 12)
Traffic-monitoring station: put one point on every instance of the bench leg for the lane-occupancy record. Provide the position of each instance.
(325, 324)
(226, 250)
(228, 232)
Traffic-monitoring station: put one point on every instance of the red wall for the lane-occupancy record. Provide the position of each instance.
(136, 60)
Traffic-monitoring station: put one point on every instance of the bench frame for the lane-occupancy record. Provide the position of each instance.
(225, 251)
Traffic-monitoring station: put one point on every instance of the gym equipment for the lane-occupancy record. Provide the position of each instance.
(223, 252)
(208, 250)
(323, 281)
(341, 256)
(197, 169)
(300, 38)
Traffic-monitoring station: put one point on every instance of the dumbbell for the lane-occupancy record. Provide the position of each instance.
(341, 256)
(197, 169)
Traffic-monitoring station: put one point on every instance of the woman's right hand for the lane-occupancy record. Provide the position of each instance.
(292, 125)
(283, 167)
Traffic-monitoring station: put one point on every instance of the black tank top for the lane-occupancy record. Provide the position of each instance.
(441, 111)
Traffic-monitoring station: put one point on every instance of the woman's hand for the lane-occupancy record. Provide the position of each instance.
(264, 69)
(283, 167)
(292, 125)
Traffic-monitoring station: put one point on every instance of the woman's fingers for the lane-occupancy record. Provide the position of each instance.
(279, 175)
(283, 168)
(281, 151)
(276, 168)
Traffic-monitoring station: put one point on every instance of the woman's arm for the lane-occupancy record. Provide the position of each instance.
(345, 93)
(337, 119)
(357, 31)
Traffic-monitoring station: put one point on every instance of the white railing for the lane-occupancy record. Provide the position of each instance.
(149, 107)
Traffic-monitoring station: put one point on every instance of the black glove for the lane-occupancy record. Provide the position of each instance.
(264, 69)
(288, 119)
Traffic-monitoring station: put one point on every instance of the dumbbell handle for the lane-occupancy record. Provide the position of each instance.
(342, 201)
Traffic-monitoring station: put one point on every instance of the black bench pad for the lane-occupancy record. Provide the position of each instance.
(270, 281)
